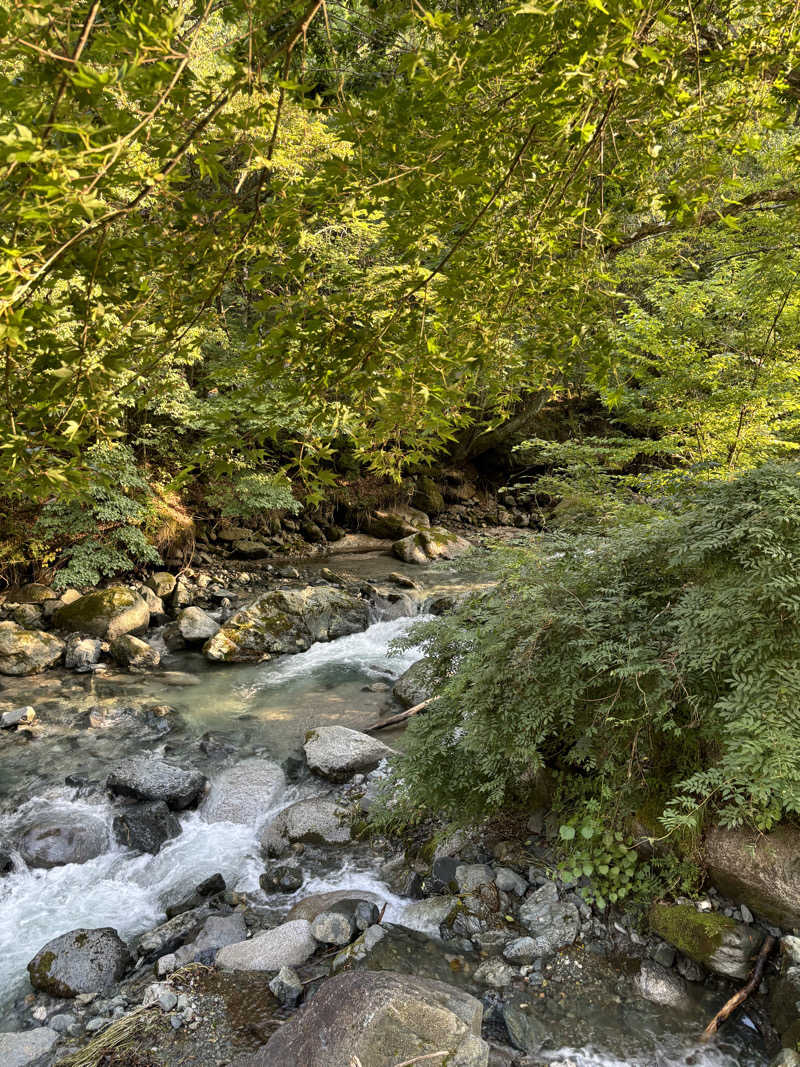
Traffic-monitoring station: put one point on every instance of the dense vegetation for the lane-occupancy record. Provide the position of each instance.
(249, 250)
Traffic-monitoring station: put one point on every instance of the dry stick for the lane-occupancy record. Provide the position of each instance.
(739, 998)
(399, 718)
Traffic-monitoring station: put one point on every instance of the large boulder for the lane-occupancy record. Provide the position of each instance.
(106, 613)
(27, 651)
(145, 827)
(27, 1047)
(58, 838)
(552, 923)
(316, 821)
(721, 944)
(379, 1019)
(285, 621)
(149, 778)
(428, 545)
(196, 625)
(338, 753)
(397, 521)
(759, 870)
(245, 793)
(414, 685)
(82, 961)
(287, 945)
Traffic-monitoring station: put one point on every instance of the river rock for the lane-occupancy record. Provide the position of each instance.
(317, 821)
(720, 944)
(378, 1019)
(162, 583)
(495, 973)
(428, 545)
(18, 717)
(196, 625)
(27, 651)
(150, 778)
(287, 987)
(396, 522)
(552, 923)
(130, 651)
(509, 881)
(414, 685)
(354, 543)
(245, 793)
(287, 945)
(32, 593)
(218, 931)
(287, 620)
(471, 876)
(429, 914)
(82, 653)
(82, 961)
(660, 986)
(284, 878)
(62, 837)
(348, 900)
(522, 950)
(28, 1047)
(169, 936)
(338, 753)
(145, 827)
(759, 870)
(107, 613)
(333, 928)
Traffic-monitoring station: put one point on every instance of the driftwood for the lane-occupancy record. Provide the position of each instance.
(383, 723)
(739, 998)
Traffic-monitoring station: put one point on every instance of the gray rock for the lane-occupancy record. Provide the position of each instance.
(27, 651)
(145, 827)
(196, 625)
(333, 928)
(429, 914)
(338, 753)
(130, 651)
(245, 793)
(660, 986)
(62, 837)
(470, 876)
(509, 881)
(82, 961)
(107, 613)
(414, 685)
(522, 950)
(427, 545)
(18, 717)
(95, 1025)
(162, 583)
(285, 621)
(786, 1058)
(287, 987)
(166, 965)
(161, 994)
(149, 778)
(527, 1030)
(82, 653)
(287, 945)
(397, 521)
(664, 955)
(761, 870)
(495, 973)
(380, 1019)
(27, 1046)
(317, 821)
(218, 931)
(552, 923)
(347, 900)
(283, 878)
(690, 970)
(172, 934)
(62, 1022)
(714, 940)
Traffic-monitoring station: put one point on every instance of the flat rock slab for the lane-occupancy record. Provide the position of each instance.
(379, 1019)
(18, 1050)
(149, 778)
(245, 793)
(337, 753)
(82, 961)
(287, 945)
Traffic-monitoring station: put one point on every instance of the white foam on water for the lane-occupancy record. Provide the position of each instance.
(678, 1056)
(366, 653)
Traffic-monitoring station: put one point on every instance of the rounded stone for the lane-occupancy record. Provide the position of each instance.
(58, 838)
(81, 961)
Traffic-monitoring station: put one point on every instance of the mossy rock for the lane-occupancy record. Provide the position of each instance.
(713, 940)
(25, 652)
(107, 613)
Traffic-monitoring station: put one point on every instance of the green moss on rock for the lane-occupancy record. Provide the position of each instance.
(697, 934)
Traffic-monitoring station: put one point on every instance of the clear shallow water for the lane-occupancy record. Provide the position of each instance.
(260, 709)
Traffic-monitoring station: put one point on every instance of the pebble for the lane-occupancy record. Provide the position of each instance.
(166, 965)
(62, 1022)
(747, 915)
(176, 1022)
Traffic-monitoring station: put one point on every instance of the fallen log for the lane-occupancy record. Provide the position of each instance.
(739, 998)
(381, 724)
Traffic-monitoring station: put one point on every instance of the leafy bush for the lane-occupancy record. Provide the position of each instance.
(101, 533)
(252, 494)
(661, 665)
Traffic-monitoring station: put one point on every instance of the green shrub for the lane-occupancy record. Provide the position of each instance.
(662, 661)
(99, 534)
(252, 493)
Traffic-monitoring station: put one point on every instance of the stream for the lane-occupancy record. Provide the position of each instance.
(223, 714)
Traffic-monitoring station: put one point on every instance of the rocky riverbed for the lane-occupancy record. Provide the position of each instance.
(188, 874)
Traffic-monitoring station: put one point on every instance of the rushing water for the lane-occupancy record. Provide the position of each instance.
(87, 722)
